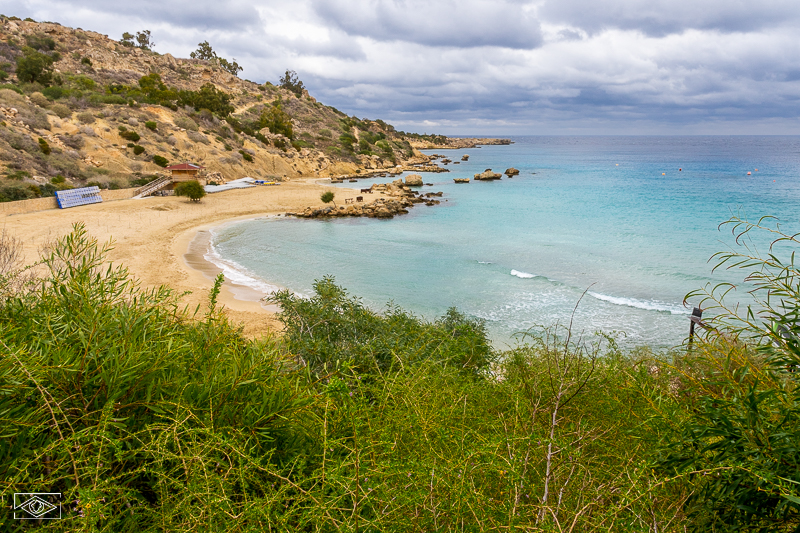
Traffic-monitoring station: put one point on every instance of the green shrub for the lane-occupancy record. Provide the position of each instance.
(84, 83)
(44, 146)
(331, 328)
(40, 42)
(247, 157)
(138, 150)
(302, 144)
(191, 189)
(57, 180)
(14, 193)
(35, 67)
(18, 175)
(160, 160)
(186, 123)
(39, 99)
(347, 140)
(208, 97)
(100, 99)
(86, 61)
(151, 125)
(327, 197)
(86, 118)
(53, 93)
(129, 135)
(276, 120)
(144, 180)
(61, 110)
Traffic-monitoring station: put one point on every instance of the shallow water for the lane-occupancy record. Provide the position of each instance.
(591, 214)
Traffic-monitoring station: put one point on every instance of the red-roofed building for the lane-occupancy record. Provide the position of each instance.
(184, 171)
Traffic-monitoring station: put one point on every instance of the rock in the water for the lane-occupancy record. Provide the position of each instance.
(465, 157)
(511, 172)
(488, 175)
(414, 180)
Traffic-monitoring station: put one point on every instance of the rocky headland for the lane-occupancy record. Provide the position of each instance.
(396, 198)
(436, 142)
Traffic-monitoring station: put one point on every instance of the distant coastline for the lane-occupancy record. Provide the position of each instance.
(455, 143)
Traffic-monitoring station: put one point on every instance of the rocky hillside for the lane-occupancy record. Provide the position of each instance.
(78, 108)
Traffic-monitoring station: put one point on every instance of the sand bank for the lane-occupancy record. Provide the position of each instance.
(162, 239)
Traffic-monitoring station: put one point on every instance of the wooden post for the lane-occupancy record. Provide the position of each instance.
(697, 314)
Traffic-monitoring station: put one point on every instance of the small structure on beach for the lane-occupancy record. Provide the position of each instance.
(184, 172)
(165, 184)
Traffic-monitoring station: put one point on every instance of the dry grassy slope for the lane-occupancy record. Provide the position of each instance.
(86, 146)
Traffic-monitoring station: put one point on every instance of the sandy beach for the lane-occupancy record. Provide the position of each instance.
(162, 240)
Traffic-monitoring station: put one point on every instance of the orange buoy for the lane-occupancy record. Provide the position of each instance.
(663, 173)
(749, 173)
(680, 170)
(756, 170)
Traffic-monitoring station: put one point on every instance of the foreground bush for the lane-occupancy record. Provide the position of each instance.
(147, 417)
(733, 436)
(141, 416)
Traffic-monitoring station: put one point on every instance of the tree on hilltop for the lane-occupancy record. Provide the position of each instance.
(142, 39)
(291, 82)
(206, 53)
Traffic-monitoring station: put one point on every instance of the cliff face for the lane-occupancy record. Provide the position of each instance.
(89, 119)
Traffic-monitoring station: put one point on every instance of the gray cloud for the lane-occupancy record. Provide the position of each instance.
(198, 15)
(663, 17)
(515, 66)
(442, 23)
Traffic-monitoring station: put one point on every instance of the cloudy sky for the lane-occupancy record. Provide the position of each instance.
(500, 66)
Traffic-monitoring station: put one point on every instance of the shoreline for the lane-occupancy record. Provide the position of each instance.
(151, 237)
(195, 258)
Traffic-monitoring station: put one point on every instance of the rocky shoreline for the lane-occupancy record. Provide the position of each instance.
(454, 143)
(400, 199)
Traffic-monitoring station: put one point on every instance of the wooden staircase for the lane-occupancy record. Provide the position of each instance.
(152, 187)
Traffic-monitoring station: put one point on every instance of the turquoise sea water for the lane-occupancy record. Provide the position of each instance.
(590, 213)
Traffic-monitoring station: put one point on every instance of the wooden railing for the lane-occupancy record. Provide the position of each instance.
(153, 186)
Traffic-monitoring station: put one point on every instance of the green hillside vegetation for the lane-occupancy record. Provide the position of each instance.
(148, 416)
(270, 119)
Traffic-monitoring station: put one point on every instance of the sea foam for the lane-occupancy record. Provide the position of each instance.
(235, 273)
(523, 275)
(647, 305)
